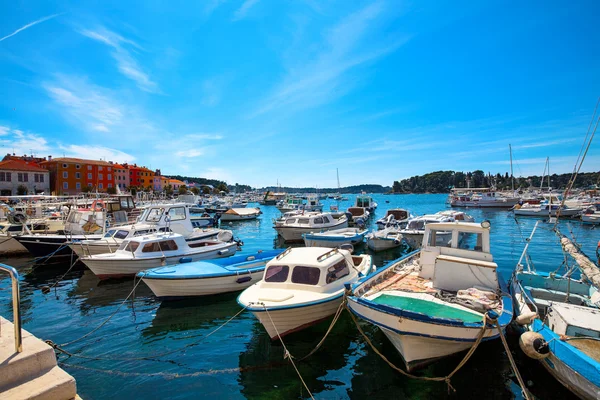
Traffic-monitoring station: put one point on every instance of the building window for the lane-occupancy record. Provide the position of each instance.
(41, 177)
(110, 177)
(109, 185)
(65, 174)
(8, 177)
(100, 168)
(36, 177)
(100, 176)
(89, 175)
(65, 165)
(78, 185)
(89, 167)
(77, 175)
(65, 185)
(99, 186)
(108, 168)
(89, 185)
(19, 177)
(77, 166)
(3, 176)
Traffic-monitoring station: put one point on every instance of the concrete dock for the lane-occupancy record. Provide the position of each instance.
(32, 373)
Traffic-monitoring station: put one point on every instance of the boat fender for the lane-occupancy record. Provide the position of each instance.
(163, 261)
(526, 318)
(534, 345)
(347, 246)
(224, 251)
(184, 260)
(243, 279)
(396, 242)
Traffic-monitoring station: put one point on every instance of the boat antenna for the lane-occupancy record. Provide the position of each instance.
(512, 178)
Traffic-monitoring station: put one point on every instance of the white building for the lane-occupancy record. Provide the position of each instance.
(15, 173)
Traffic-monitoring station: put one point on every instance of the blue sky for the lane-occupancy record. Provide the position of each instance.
(266, 91)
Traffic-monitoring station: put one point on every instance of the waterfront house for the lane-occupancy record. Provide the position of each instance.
(69, 175)
(15, 173)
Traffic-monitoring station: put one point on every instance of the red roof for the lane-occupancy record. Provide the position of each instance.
(18, 165)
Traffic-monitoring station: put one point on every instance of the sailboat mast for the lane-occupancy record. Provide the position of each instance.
(512, 178)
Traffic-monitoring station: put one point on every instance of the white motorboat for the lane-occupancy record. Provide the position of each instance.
(163, 217)
(591, 216)
(240, 214)
(456, 215)
(396, 216)
(290, 203)
(481, 197)
(154, 250)
(302, 286)
(546, 210)
(293, 227)
(385, 239)
(432, 303)
(335, 238)
(362, 200)
(415, 229)
(203, 278)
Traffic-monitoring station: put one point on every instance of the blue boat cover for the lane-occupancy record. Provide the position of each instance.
(229, 266)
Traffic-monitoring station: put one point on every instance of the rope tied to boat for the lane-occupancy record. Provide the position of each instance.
(447, 378)
(286, 352)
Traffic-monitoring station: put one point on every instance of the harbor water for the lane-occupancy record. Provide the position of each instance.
(152, 349)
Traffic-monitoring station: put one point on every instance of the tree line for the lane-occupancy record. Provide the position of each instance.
(368, 188)
(443, 181)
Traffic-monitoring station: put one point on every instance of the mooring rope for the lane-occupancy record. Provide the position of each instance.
(512, 362)
(425, 378)
(336, 316)
(287, 353)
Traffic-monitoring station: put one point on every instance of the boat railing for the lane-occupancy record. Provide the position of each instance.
(16, 300)
(327, 255)
(286, 252)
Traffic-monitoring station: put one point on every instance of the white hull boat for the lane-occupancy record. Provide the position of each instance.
(302, 287)
(386, 239)
(433, 302)
(240, 214)
(334, 238)
(205, 278)
(546, 211)
(294, 227)
(155, 250)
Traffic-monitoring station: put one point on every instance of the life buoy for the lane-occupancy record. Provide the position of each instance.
(98, 205)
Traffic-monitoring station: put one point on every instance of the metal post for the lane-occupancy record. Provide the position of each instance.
(16, 299)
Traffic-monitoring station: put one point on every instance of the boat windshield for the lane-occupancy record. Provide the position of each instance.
(129, 246)
(306, 275)
(109, 234)
(277, 273)
(154, 214)
(337, 271)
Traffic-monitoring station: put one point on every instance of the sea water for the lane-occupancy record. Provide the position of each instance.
(239, 360)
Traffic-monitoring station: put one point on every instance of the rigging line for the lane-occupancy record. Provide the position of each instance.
(587, 133)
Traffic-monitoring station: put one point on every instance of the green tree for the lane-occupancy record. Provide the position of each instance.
(86, 189)
(21, 190)
(206, 190)
(111, 190)
(195, 190)
(183, 189)
(222, 187)
(169, 190)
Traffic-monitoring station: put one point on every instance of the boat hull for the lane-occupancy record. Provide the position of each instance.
(294, 234)
(381, 244)
(178, 288)
(42, 246)
(420, 342)
(293, 319)
(9, 246)
(116, 268)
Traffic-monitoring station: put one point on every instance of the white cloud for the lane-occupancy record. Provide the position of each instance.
(4, 130)
(126, 63)
(243, 10)
(203, 136)
(309, 84)
(19, 142)
(29, 25)
(191, 153)
(87, 103)
(92, 152)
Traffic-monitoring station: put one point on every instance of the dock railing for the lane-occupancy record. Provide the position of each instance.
(16, 300)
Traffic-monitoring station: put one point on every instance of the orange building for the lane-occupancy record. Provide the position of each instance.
(140, 177)
(69, 175)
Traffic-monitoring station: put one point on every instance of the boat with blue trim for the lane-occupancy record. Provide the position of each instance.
(560, 316)
(432, 303)
(202, 278)
(335, 237)
(303, 286)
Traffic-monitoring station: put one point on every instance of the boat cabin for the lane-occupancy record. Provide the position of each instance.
(364, 201)
(312, 220)
(175, 216)
(310, 269)
(453, 267)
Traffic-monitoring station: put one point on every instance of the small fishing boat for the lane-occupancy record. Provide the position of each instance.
(561, 320)
(362, 200)
(202, 278)
(334, 238)
(154, 250)
(591, 216)
(433, 302)
(313, 204)
(395, 216)
(293, 227)
(415, 229)
(359, 216)
(240, 214)
(302, 286)
(385, 239)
